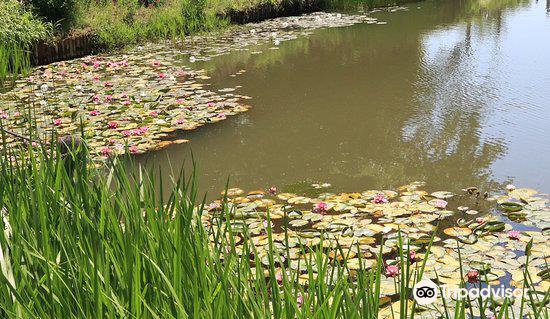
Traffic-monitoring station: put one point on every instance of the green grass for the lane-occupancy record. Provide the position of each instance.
(102, 243)
(19, 30)
(115, 24)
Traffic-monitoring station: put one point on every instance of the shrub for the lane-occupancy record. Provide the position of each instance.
(56, 11)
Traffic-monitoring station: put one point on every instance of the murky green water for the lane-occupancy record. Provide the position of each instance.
(454, 93)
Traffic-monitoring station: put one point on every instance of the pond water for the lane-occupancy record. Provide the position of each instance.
(453, 93)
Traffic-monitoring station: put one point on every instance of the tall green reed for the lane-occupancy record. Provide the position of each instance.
(90, 242)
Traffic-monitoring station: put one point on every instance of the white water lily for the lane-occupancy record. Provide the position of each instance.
(44, 87)
(192, 59)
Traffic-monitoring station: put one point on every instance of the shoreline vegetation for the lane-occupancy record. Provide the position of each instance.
(115, 24)
(82, 242)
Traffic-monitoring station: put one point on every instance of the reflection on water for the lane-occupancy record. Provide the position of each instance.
(454, 93)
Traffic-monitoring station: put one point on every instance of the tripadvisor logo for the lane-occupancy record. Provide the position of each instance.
(425, 292)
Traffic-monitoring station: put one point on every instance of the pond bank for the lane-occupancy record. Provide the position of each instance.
(84, 42)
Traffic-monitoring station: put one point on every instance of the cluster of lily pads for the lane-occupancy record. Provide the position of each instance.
(354, 227)
(132, 102)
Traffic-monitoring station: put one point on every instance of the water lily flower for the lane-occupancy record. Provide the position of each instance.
(279, 277)
(108, 97)
(44, 87)
(180, 121)
(105, 151)
(133, 149)
(379, 199)
(320, 207)
(96, 65)
(299, 300)
(153, 114)
(180, 101)
(126, 133)
(473, 276)
(412, 256)
(514, 234)
(161, 75)
(78, 87)
(439, 203)
(214, 205)
(95, 78)
(140, 131)
(95, 112)
(221, 116)
(95, 98)
(510, 187)
(84, 65)
(126, 102)
(480, 220)
(107, 83)
(391, 271)
(57, 122)
(192, 59)
(112, 124)
(4, 115)
(272, 190)
(111, 141)
(156, 63)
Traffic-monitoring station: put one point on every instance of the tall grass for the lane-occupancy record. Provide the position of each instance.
(103, 243)
(119, 23)
(19, 30)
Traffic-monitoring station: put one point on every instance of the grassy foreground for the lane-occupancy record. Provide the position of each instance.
(80, 242)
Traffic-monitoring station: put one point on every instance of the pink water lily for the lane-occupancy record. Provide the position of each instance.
(510, 187)
(105, 151)
(107, 83)
(473, 276)
(108, 97)
(4, 115)
(126, 133)
(153, 114)
(156, 63)
(180, 121)
(279, 277)
(439, 203)
(180, 101)
(514, 234)
(95, 112)
(379, 199)
(272, 190)
(161, 75)
(133, 149)
(391, 271)
(95, 98)
(112, 124)
(57, 122)
(299, 300)
(126, 102)
(320, 207)
(412, 256)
